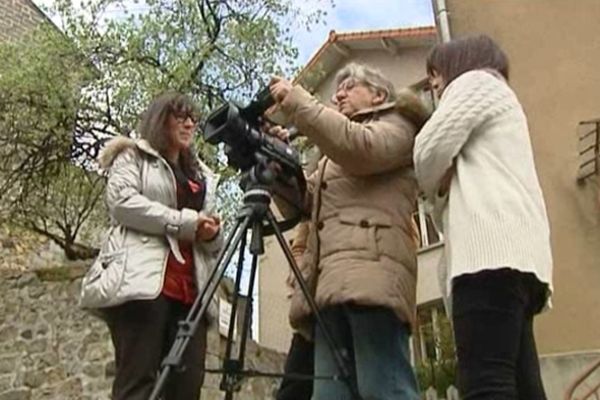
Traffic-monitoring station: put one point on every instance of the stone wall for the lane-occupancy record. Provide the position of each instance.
(21, 250)
(49, 349)
(17, 17)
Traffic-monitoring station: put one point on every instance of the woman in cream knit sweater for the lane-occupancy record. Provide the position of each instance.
(475, 164)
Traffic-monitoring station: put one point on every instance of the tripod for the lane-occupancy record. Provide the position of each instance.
(251, 217)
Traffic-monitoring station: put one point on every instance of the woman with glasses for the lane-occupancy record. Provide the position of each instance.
(360, 256)
(162, 241)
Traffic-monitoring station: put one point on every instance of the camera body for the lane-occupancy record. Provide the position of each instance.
(251, 151)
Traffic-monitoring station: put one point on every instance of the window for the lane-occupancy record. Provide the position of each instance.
(434, 352)
(588, 133)
(309, 155)
(429, 98)
(433, 340)
(428, 233)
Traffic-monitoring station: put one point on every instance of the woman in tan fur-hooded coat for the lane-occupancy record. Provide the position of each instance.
(360, 250)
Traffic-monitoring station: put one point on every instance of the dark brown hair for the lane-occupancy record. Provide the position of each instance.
(453, 58)
(153, 126)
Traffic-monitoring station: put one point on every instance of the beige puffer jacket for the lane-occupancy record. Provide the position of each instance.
(360, 245)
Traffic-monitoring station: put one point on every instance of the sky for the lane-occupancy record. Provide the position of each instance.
(357, 15)
(343, 16)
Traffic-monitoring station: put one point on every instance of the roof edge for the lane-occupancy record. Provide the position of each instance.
(333, 37)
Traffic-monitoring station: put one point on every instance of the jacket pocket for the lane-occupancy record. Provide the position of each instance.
(394, 240)
(382, 236)
(349, 234)
(103, 279)
(396, 244)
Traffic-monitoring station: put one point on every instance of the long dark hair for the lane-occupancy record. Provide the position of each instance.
(153, 127)
(453, 58)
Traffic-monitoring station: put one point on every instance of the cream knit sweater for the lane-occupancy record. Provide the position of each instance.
(494, 215)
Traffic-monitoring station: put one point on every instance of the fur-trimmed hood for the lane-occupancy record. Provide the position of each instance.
(412, 107)
(113, 148)
(407, 103)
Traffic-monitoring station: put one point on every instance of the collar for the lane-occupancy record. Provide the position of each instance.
(365, 112)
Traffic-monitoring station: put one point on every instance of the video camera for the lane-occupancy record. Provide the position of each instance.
(253, 152)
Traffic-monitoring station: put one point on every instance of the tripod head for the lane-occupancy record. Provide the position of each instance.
(262, 174)
(262, 183)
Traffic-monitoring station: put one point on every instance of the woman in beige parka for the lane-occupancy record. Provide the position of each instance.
(360, 253)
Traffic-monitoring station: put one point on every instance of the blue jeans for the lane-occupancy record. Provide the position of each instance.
(376, 343)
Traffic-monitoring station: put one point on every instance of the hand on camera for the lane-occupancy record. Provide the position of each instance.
(207, 228)
(275, 130)
(279, 87)
(279, 132)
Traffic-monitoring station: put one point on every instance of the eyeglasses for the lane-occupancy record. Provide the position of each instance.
(181, 117)
(347, 85)
(350, 83)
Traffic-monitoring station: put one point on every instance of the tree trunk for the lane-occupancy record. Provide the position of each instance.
(76, 251)
(73, 251)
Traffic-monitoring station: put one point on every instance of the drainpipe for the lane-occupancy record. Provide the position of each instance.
(442, 19)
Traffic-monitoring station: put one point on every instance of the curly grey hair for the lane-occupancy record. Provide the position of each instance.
(369, 76)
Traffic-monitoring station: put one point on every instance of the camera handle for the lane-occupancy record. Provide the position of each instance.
(254, 211)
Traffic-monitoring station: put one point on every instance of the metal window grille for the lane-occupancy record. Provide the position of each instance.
(589, 149)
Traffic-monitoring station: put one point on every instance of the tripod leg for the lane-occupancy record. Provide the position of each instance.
(198, 309)
(230, 365)
(233, 368)
(238, 365)
(339, 358)
(256, 249)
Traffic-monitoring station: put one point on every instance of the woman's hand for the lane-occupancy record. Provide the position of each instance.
(279, 88)
(207, 228)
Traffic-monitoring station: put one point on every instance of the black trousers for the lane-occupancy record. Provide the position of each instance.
(300, 360)
(493, 325)
(142, 333)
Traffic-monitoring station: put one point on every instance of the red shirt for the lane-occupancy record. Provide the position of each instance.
(180, 283)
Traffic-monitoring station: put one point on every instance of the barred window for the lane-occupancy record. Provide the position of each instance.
(588, 133)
